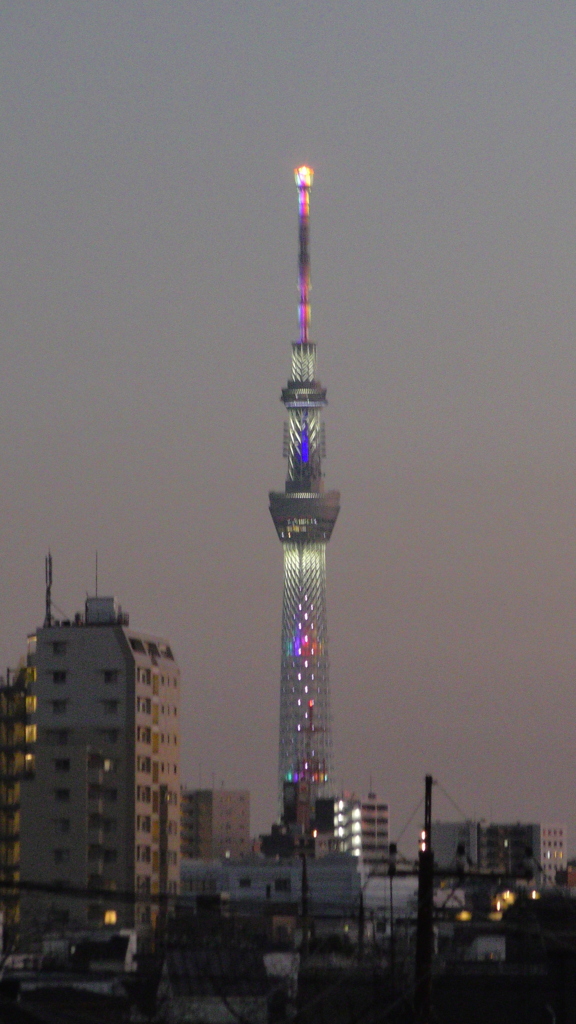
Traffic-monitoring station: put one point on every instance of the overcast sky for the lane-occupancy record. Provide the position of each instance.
(149, 297)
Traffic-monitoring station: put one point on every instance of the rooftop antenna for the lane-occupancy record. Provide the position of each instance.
(48, 567)
(96, 581)
(304, 177)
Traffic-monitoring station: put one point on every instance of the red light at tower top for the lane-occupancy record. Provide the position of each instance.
(304, 177)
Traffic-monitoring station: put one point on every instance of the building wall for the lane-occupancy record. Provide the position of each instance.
(363, 827)
(215, 823)
(502, 847)
(333, 881)
(105, 758)
(448, 835)
(196, 823)
(553, 852)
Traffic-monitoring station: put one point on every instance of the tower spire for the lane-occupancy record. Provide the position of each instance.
(304, 177)
(304, 515)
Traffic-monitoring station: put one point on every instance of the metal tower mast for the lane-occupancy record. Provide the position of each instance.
(304, 516)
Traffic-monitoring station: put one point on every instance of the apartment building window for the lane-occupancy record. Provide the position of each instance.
(110, 675)
(59, 676)
(59, 647)
(143, 822)
(59, 707)
(109, 825)
(62, 795)
(110, 856)
(143, 764)
(143, 733)
(62, 824)
(62, 764)
(110, 794)
(137, 645)
(61, 856)
(282, 885)
(110, 707)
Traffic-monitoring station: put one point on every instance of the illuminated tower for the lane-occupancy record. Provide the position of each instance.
(304, 515)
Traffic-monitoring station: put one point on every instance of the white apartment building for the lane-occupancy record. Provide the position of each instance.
(362, 827)
(102, 810)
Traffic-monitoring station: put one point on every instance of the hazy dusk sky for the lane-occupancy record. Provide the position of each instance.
(149, 298)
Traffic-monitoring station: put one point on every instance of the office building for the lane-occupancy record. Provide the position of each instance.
(362, 826)
(215, 823)
(101, 812)
(304, 515)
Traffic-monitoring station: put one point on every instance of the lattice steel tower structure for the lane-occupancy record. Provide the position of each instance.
(304, 516)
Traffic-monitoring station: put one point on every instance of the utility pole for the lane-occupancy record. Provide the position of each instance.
(392, 856)
(305, 919)
(424, 927)
(361, 925)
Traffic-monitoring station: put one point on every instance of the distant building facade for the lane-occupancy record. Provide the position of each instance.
(362, 826)
(102, 810)
(510, 848)
(553, 851)
(17, 743)
(333, 882)
(215, 823)
(449, 837)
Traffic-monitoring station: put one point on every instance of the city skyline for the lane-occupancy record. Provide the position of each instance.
(146, 154)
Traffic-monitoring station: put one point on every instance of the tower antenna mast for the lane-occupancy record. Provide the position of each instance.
(304, 177)
(48, 567)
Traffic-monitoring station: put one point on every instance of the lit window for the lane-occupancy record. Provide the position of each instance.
(110, 917)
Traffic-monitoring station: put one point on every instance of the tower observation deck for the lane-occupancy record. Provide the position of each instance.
(304, 515)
